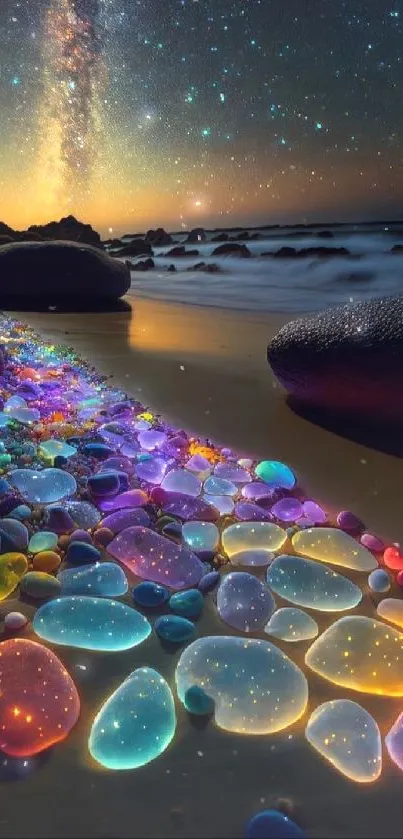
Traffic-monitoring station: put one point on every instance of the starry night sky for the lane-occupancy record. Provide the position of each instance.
(135, 113)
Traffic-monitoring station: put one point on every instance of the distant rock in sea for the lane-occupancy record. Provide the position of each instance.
(137, 248)
(159, 238)
(60, 270)
(346, 360)
(286, 252)
(196, 236)
(142, 264)
(221, 237)
(180, 250)
(232, 249)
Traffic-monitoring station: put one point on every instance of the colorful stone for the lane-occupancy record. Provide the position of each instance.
(329, 544)
(244, 602)
(153, 557)
(12, 568)
(43, 540)
(245, 536)
(201, 535)
(348, 737)
(43, 487)
(292, 625)
(312, 584)
(275, 474)
(102, 579)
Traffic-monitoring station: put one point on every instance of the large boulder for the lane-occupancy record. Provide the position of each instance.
(346, 360)
(139, 247)
(68, 229)
(60, 270)
(232, 249)
(196, 236)
(159, 238)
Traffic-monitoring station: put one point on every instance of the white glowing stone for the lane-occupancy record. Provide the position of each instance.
(291, 624)
(329, 544)
(255, 535)
(348, 737)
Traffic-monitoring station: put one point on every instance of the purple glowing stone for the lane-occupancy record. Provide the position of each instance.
(373, 543)
(58, 520)
(287, 509)
(122, 519)
(132, 498)
(313, 512)
(152, 470)
(244, 602)
(232, 472)
(117, 463)
(150, 439)
(182, 481)
(251, 512)
(153, 557)
(188, 508)
(349, 522)
(199, 465)
(255, 490)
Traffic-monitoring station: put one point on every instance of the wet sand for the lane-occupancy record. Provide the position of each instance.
(206, 371)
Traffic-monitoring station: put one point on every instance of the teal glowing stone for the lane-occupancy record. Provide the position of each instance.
(255, 687)
(275, 474)
(136, 723)
(290, 624)
(102, 579)
(91, 623)
(43, 487)
(348, 737)
(312, 584)
(43, 540)
(201, 535)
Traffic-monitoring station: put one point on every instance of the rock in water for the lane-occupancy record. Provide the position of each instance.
(28, 269)
(347, 359)
(136, 724)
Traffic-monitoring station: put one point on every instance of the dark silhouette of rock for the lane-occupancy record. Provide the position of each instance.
(159, 238)
(171, 268)
(68, 229)
(113, 243)
(221, 237)
(210, 268)
(195, 236)
(397, 249)
(357, 277)
(142, 264)
(254, 237)
(5, 230)
(325, 234)
(29, 236)
(60, 270)
(5, 240)
(284, 252)
(347, 360)
(243, 236)
(304, 253)
(180, 250)
(137, 248)
(232, 249)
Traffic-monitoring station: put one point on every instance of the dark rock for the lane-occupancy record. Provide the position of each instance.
(158, 238)
(5, 240)
(357, 277)
(57, 270)
(348, 359)
(178, 250)
(239, 237)
(5, 230)
(325, 234)
(397, 249)
(254, 237)
(68, 229)
(212, 268)
(171, 268)
(195, 236)
(113, 243)
(222, 237)
(305, 253)
(232, 249)
(138, 248)
(29, 236)
(283, 253)
(142, 264)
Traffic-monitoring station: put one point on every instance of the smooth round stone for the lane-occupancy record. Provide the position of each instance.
(312, 584)
(188, 508)
(287, 509)
(201, 535)
(257, 558)
(197, 702)
(251, 512)
(153, 557)
(100, 451)
(247, 536)
(209, 582)
(81, 536)
(43, 540)
(12, 568)
(84, 514)
(102, 537)
(174, 628)
(122, 519)
(244, 602)
(233, 472)
(188, 603)
(16, 531)
(80, 553)
(117, 463)
(271, 824)
(391, 609)
(313, 512)
(136, 723)
(255, 687)
(14, 621)
(43, 487)
(7, 545)
(47, 561)
(348, 737)
(329, 544)
(200, 466)
(27, 416)
(21, 512)
(152, 470)
(361, 654)
(255, 490)
(91, 623)
(348, 521)
(373, 543)
(102, 579)
(183, 481)
(39, 585)
(379, 581)
(31, 677)
(150, 439)
(394, 742)
(393, 558)
(49, 449)
(224, 504)
(150, 595)
(275, 474)
(58, 520)
(126, 500)
(103, 484)
(219, 486)
(292, 625)
(173, 530)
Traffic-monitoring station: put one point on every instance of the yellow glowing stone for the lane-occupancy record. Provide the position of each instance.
(361, 654)
(12, 567)
(252, 536)
(329, 544)
(391, 609)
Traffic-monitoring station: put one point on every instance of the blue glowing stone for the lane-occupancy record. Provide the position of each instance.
(379, 581)
(150, 595)
(21, 512)
(43, 487)
(81, 553)
(136, 723)
(43, 540)
(16, 532)
(275, 474)
(196, 701)
(209, 582)
(271, 824)
(100, 451)
(201, 535)
(174, 629)
(83, 513)
(219, 486)
(290, 624)
(312, 584)
(91, 623)
(102, 579)
(244, 602)
(188, 603)
(348, 737)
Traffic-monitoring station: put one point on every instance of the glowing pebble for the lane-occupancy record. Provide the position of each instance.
(379, 581)
(287, 509)
(290, 624)
(272, 824)
(256, 490)
(188, 507)
(40, 585)
(50, 449)
(329, 544)
(245, 511)
(14, 621)
(12, 568)
(348, 737)
(252, 558)
(232, 472)
(311, 584)
(201, 535)
(43, 487)
(91, 623)
(181, 480)
(219, 486)
(251, 536)
(151, 470)
(46, 561)
(43, 540)
(223, 503)
(199, 465)
(226, 668)
(102, 579)
(244, 602)
(83, 513)
(30, 678)
(136, 723)
(150, 440)
(130, 499)
(361, 654)
(122, 519)
(158, 559)
(391, 609)
(16, 531)
(275, 474)
(394, 742)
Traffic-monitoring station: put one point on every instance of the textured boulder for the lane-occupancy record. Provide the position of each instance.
(159, 238)
(232, 249)
(68, 229)
(347, 359)
(139, 247)
(57, 270)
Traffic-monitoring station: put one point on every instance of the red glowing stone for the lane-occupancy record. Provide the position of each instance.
(39, 703)
(393, 559)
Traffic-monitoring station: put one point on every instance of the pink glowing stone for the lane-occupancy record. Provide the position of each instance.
(156, 558)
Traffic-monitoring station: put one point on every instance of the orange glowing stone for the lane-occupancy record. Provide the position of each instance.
(205, 451)
(393, 558)
(39, 703)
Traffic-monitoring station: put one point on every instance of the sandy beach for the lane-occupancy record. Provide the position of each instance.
(206, 371)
